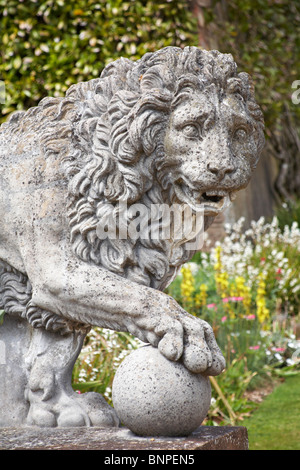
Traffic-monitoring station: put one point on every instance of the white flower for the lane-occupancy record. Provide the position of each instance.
(290, 362)
(263, 333)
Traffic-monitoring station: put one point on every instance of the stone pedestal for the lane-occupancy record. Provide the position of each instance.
(204, 438)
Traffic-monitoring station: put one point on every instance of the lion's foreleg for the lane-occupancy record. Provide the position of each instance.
(103, 299)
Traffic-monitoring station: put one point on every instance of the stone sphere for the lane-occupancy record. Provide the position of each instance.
(154, 396)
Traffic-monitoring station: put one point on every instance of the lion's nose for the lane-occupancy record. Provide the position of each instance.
(220, 168)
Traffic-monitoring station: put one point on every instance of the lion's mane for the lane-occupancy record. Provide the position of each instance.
(123, 124)
(109, 134)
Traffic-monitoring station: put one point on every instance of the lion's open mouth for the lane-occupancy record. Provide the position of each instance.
(212, 201)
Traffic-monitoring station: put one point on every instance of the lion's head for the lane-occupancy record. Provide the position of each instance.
(176, 126)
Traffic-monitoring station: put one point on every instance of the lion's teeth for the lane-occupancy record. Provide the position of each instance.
(233, 195)
(216, 193)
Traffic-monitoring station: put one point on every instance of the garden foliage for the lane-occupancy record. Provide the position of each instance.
(248, 289)
(48, 45)
(264, 38)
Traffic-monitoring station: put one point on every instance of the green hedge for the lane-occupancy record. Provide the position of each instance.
(264, 38)
(47, 45)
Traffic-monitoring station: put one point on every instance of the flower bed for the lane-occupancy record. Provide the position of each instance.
(248, 289)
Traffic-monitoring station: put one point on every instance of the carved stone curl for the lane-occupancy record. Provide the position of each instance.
(177, 127)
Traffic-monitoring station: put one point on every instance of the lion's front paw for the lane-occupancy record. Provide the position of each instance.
(201, 352)
(178, 335)
(191, 340)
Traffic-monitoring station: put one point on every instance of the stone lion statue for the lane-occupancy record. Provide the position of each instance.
(178, 126)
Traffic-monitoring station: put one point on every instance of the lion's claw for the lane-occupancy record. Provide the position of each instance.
(196, 359)
(171, 346)
(180, 336)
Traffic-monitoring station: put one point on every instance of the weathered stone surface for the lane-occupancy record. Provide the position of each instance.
(204, 438)
(156, 397)
(87, 183)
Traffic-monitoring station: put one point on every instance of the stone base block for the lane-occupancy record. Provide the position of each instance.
(204, 438)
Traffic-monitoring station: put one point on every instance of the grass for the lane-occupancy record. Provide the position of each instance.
(276, 423)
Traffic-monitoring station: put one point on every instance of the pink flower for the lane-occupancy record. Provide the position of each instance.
(250, 317)
(211, 305)
(233, 299)
(279, 274)
(223, 319)
(279, 349)
(254, 347)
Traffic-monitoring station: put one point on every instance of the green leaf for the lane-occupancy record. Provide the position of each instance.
(2, 313)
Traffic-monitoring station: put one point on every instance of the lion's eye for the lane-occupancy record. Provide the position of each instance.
(240, 134)
(192, 131)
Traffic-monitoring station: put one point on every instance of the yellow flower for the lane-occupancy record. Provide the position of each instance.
(78, 12)
(201, 297)
(240, 289)
(221, 276)
(262, 311)
(222, 283)
(218, 265)
(187, 286)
